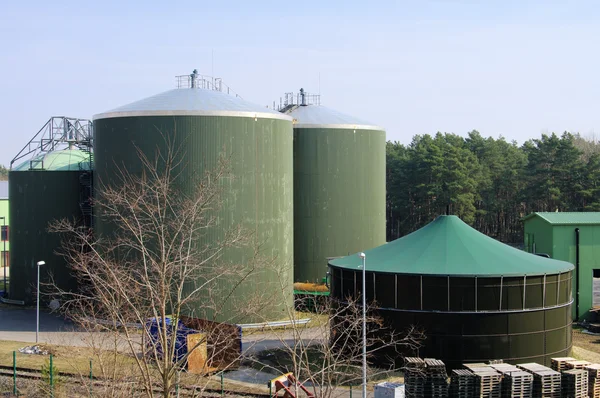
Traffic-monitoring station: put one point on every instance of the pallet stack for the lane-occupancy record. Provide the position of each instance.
(414, 377)
(560, 364)
(517, 384)
(436, 384)
(488, 383)
(462, 384)
(575, 364)
(546, 382)
(575, 383)
(593, 380)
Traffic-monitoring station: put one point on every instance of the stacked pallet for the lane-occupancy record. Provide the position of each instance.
(593, 380)
(575, 383)
(546, 382)
(488, 383)
(575, 364)
(436, 383)
(462, 384)
(560, 364)
(414, 377)
(517, 384)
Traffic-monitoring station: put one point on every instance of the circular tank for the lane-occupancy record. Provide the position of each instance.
(42, 190)
(476, 299)
(339, 188)
(204, 125)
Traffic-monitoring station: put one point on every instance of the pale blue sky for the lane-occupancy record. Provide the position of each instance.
(511, 68)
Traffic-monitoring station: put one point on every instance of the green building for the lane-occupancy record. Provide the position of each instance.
(4, 228)
(572, 237)
(475, 299)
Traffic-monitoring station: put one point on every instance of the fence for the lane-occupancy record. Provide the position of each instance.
(49, 376)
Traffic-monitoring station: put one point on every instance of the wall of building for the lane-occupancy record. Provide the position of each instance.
(539, 233)
(589, 259)
(4, 246)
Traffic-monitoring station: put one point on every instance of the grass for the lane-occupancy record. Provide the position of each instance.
(66, 359)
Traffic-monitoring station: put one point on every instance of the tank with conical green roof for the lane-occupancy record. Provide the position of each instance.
(206, 123)
(476, 299)
(339, 185)
(43, 189)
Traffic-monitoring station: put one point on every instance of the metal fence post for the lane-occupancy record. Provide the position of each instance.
(51, 378)
(91, 378)
(14, 373)
(222, 387)
(350, 390)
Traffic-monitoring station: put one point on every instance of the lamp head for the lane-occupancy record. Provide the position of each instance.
(39, 263)
(361, 255)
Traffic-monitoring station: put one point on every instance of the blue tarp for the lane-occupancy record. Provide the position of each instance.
(154, 327)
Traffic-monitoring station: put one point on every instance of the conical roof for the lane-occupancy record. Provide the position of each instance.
(448, 246)
(192, 102)
(317, 116)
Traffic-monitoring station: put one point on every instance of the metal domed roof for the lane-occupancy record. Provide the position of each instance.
(64, 160)
(448, 246)
(192, 102)
(317, 116)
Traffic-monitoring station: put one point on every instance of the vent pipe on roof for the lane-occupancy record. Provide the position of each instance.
(302, 97)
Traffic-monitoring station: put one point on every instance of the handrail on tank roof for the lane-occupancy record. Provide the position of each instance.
(59, 132)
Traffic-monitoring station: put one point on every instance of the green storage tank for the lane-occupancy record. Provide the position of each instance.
(475, 298)
(205, 124)
(42, 190)
(339, 188)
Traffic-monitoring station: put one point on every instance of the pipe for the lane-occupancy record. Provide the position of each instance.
(577, 273)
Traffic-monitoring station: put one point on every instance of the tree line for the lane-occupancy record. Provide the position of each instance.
(489, 183)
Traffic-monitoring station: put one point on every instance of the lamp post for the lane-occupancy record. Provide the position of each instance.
(37, 313)
(364, 322)
(4, 252)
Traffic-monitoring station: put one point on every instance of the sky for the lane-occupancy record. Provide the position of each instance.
(507, 68)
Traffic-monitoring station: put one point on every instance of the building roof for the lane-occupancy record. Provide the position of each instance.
(448, 246)
(317, 116)
(192, 102)
(3, 189)
(64, 160)
(567, 218)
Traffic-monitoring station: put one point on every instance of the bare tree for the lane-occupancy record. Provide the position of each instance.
(326, 353)
(161, 261)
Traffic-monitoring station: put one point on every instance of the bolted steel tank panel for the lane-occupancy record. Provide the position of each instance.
(39, 197)
(339, 188)
(259, 196)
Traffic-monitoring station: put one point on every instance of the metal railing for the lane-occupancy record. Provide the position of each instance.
(196, 80)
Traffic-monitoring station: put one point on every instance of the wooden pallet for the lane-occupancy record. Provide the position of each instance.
(558, 364)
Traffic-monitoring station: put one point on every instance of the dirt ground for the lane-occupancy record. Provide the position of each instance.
(586, 346)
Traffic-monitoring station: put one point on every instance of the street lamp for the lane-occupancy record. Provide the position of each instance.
(364, 328)
(37, 313)
(4, 252)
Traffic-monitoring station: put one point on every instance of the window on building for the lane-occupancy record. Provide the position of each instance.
(596, 288)
(4, 233)
(4, 259)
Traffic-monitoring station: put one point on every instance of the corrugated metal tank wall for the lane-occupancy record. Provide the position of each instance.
(259, 197)
(38, 198)
(339, 195)
(468, 319)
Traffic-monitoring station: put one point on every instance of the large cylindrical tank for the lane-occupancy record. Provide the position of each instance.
(475, 299)
(42, 190)
(203, 125)
(339, 188)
